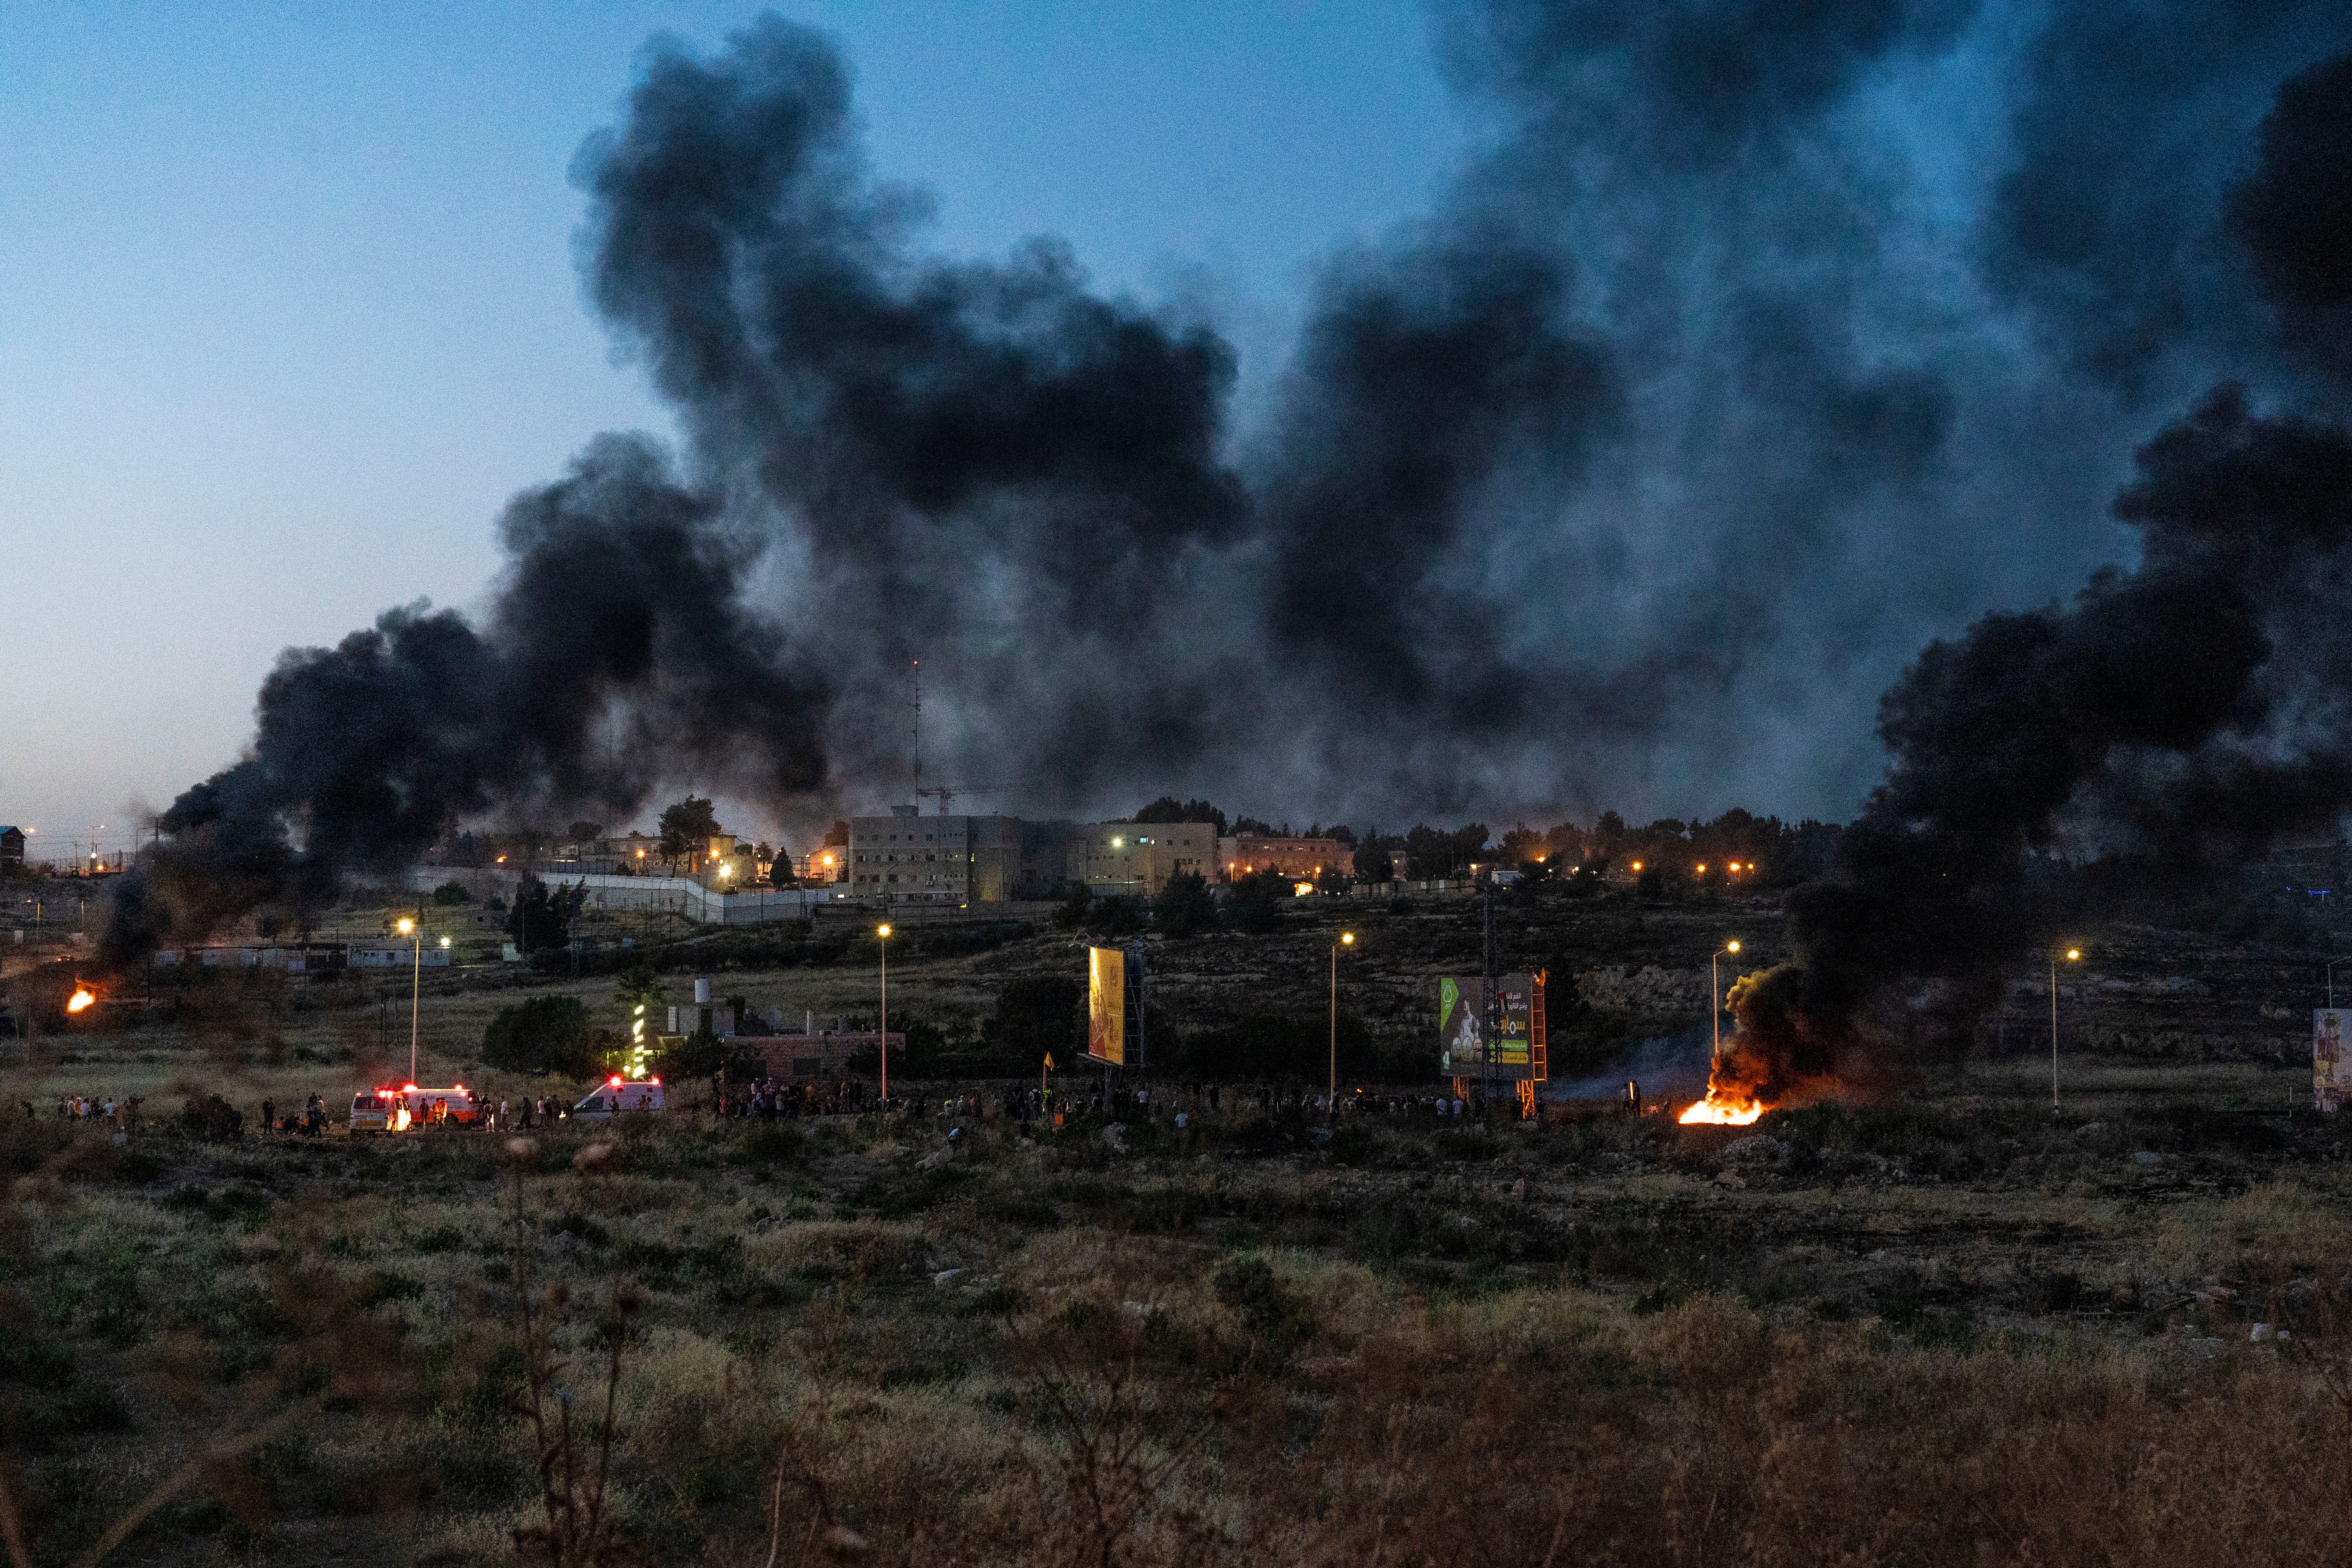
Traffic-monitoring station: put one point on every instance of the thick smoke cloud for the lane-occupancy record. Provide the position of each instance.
(616, 652)
(1759, 346)
(1429, 379)
(2109, 227)
(2182, 716)
(984, 464)
(2295, 213)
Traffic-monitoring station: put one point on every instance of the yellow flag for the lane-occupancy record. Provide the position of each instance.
(1049, 1061)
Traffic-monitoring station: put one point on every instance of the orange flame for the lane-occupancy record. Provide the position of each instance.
(82, 997)
(1725, 1111)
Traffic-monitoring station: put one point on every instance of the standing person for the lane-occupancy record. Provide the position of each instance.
(269, 1117)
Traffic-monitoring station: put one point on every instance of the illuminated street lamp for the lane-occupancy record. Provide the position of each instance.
(2074, 955)
(1714, 991)
(416, 985)
(1347, 939)
(884, 933)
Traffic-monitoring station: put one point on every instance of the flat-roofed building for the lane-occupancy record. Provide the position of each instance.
(1139, 857)
(909, 858)
(1304, 858)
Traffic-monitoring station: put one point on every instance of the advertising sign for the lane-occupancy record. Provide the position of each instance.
(2331, 1072)
(1107, 1004)
(1472, 1045)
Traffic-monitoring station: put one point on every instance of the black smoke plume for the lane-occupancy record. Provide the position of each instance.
(1756, 347)
(2182, 716)
(616, 653)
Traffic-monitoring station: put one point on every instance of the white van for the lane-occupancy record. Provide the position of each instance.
(616, 1097)
(404, 1107)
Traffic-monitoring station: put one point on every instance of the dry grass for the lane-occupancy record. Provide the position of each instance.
(1939, 1331)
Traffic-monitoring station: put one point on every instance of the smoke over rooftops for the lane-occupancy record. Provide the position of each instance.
(1747, 357)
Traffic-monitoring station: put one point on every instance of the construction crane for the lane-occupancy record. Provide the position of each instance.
(946, 793)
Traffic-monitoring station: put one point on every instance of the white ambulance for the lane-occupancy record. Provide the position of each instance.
(404, 1107)
(617, 1096)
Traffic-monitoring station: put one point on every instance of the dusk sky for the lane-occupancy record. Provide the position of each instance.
(1502, 408)
(288, 306)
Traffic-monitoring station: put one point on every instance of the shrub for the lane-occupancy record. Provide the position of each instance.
(546, 1033)
(211, 1118)
(1256, 905)
(1258, 1296)
(1184, 906)
(450, 894)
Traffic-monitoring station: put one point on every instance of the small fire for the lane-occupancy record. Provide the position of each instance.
(1727, 1112)
(82, 997)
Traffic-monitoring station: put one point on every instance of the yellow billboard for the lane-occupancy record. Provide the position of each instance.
(1107, 1004)
(2331, 1064)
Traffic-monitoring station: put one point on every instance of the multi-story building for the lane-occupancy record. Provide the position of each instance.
(909, 859)
(1305, 858)
(906, 857)
(1138, 858)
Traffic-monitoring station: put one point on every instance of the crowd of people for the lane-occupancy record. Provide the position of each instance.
(311, 1123)
(770, 1099)
(778, 1100)
(124, 1111)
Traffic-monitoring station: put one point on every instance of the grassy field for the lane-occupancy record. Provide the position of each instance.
(1948, 1327)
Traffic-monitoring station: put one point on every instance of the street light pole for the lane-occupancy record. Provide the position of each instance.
(1347, 939)
(415, 986)
(883, 933)
(2074, 954)
(1714, 993)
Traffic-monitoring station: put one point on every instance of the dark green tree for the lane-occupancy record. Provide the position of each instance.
(700, 1055)
(1075, 904)
(1167, 808)
(545, 1034)
(1373, 862)
(1183, 906)
(543, 916)
(687, 827)
(1256, 902)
